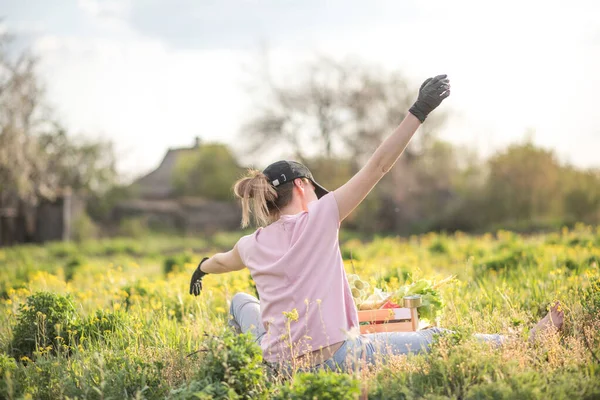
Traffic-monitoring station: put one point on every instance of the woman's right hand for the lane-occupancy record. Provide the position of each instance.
(431, 94)
(196, 281)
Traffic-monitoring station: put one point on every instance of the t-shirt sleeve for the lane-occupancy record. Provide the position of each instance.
(242, 247)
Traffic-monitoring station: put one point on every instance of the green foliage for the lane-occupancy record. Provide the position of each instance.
(431, 298)
(347, 254)
(582, 197)
(591, 298)
(142, 292)
(8, 366)
(16, 269)
(135, 291)
(71, 266)
(46, 379)
(231, 368)
(462, 369)
(101, 205)
(505, 260)
(138, 325)
(176, 262)
(400, 274)
(439, 246)
(205, 391)
(133, 227)
(43, 323)
(321, 385)
(523, 183)
(132, 375)
(100, 324)
(234, 361)
(84, 228)
(81, 163)
(208, 171)
(522, 188)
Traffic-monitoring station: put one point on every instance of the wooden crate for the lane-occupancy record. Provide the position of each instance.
(389, 320)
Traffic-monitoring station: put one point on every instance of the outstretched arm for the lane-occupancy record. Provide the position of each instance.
(223, 262)
(351, 194)
(217, 264)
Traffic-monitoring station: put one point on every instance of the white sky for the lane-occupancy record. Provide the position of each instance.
(153, 74)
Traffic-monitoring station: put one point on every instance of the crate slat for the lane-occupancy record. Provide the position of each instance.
(391, 327)
(384, 314)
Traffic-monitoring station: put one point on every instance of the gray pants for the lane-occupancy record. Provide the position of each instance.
(245, 317)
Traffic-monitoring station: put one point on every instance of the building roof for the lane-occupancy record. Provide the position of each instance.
(158, 184)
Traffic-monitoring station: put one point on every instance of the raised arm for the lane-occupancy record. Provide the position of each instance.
(351, 194)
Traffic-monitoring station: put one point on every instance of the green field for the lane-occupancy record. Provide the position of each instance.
(113, 319)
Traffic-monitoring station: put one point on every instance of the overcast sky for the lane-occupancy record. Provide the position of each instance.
(153, 74)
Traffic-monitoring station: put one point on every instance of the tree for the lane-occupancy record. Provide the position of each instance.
(80, 163)
(208, 171)
(523, 184)
(342, 109)
(22, 118)
(37, 157)
(582, 195)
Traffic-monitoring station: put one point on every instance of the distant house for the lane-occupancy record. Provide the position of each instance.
(158, 183)
(155, 201)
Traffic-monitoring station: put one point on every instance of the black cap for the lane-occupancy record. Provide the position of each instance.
(281, 172)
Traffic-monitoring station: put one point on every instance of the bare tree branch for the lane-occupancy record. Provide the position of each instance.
(345, 108)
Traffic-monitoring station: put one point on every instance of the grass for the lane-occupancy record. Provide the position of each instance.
(131, 330)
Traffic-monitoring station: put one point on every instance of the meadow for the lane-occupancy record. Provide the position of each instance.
(112, 319)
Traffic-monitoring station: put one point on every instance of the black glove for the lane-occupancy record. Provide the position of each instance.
(431, 94)
(196, 282)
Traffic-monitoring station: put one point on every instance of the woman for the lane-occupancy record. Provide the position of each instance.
(306, 316)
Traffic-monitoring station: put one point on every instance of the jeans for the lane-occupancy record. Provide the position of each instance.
(370, 348)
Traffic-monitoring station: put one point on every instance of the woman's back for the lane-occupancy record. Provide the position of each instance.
(296, 264)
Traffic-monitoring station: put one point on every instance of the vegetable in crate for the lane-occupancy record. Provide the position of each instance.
(359, 288)
(433, 304)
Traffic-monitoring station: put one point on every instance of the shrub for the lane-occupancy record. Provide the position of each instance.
(230, 368)
(321, 385)
(172, 262)
(43, 322)
(202, 391)
(48, 378)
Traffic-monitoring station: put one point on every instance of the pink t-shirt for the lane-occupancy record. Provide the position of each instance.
(296, 264)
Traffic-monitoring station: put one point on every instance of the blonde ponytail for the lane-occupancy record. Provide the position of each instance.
(255, 193)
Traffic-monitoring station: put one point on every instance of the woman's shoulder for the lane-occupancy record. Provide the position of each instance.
(325, 205)
(245, 244)
(249, 237)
